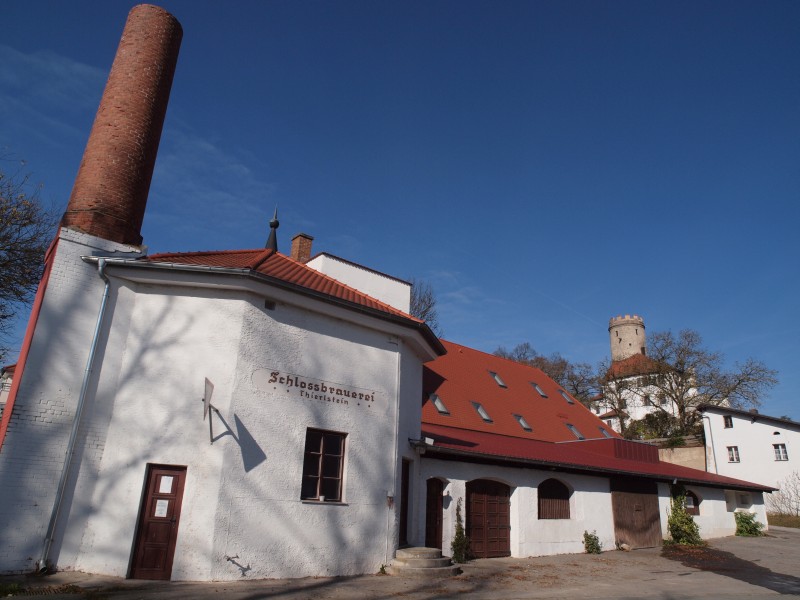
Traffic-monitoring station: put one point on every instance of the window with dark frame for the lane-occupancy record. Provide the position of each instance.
(553, 500)
(322, 466)
(780, 452)
(728, 420)
(692, 503)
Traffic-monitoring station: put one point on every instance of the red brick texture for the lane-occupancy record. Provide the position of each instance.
(301, 247)
(110, 192)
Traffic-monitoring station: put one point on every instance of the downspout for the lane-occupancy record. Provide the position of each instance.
(713, 447)
(391, 504)
(76, 422)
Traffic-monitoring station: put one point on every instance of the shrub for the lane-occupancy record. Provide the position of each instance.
(747, 525)
(460, 543)
(592, 543)
(682, 528)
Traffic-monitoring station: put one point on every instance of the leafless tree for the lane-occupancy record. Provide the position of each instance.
(578, 379)
(423, 305)
(786, 501)
(26, 230)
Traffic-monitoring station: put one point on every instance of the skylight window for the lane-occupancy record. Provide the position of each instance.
(523, 423)
(604, 431)
(482, 412)
(566, 396)
(497, 378)
(437, 402)
(538, 389)
(575, 431)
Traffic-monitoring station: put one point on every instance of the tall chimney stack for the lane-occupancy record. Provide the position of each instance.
(301, 247)
(110, 192)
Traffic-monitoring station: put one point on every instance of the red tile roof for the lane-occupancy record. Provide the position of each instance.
(462, 377)
(606, 456)
(279, 267)
(637, 364)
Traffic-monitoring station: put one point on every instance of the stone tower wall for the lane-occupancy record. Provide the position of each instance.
(627, 336)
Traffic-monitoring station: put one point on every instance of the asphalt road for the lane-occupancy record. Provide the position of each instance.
(731, 567)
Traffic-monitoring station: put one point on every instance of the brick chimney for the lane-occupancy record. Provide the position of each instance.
(110, 192)
(301, 247)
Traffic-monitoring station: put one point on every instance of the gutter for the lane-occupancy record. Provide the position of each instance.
(419, 326)
(76, 422)
(453, 454)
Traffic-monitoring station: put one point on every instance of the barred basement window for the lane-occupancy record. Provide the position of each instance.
(322, 466)
(553, 500)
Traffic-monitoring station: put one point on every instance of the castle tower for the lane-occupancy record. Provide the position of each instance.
(110, 192)
(627, 336)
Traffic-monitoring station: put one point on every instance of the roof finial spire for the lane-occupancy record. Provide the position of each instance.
(272, 240)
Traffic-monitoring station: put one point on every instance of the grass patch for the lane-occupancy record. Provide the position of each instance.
(783, 520)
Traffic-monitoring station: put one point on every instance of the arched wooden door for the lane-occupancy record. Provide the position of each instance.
(488, 518)
(433, 513)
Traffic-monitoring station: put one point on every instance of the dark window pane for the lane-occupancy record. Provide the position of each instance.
(330, 489)
(313, 441)
(309, 488)
(331, 466)
(333, 444)
(311, 465)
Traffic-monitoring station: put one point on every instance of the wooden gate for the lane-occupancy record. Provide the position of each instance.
(157, 528)
(488, 518)
(637, 521)
(433, 513)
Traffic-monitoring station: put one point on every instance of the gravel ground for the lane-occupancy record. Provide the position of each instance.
(731, 567)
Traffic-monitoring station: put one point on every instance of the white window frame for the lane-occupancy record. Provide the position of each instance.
(780, 452)
(733, 454)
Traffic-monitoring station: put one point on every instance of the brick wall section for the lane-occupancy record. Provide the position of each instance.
(110, 192)
(301, 247)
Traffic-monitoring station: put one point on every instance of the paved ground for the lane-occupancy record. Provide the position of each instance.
(728, 568)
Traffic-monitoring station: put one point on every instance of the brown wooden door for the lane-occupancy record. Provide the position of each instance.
(488, 518)
(404, 485)
(159, 516)
(433, 513)
(637, 521)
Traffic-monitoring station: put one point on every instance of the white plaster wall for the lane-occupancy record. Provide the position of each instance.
(392, 291)
(755, 440)
(590, 507)
(33, 452)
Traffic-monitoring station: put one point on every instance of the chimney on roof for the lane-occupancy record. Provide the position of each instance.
(110, 191)
(301, 247)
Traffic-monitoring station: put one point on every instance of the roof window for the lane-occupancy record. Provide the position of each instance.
(604, 431)
(575, 431)
(523, 423)
(538, 389)
(437, 402)
(482, 412)
(566, 396)
(497, 378)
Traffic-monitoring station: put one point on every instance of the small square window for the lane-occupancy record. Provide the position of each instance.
(437, 402)
(497, 378)
(733, 454)
(728, 421)
(523, 423)
(482, 412)
(538, 389)
(780, 452)
(575, 431)
(566, 396)
(322, 466)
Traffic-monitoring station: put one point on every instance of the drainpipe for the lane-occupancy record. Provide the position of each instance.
(392, 505)
(713, 447)
(76, 421)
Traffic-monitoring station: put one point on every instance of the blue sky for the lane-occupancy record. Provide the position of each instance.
(544, 165)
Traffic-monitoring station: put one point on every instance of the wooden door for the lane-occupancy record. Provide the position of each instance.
(433, 513)
(489, 518)
(404, 485)
(637, 521)
(159, 517)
